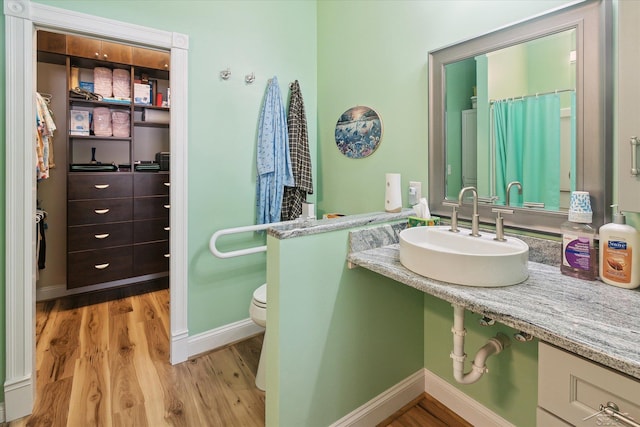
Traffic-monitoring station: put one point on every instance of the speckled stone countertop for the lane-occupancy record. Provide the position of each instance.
(305, 228)
(589, 318)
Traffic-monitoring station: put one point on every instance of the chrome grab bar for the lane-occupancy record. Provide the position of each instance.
(235, 230)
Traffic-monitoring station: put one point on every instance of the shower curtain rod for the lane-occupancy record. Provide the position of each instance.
(516, 98)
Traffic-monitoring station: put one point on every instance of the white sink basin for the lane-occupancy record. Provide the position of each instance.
(459, 258)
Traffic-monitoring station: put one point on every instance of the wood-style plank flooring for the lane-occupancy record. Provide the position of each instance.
(424, 411)
(103, 360)
(107, 364)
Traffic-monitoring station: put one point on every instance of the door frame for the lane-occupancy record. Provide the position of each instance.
(22, 19)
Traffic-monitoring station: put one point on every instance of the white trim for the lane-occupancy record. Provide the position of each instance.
(460, 403)
(21, 19)
(224, 335)
(385, 404)
(2, 415)
(388, 402)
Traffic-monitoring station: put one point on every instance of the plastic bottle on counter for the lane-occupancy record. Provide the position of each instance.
(578, 248)
(619, 252)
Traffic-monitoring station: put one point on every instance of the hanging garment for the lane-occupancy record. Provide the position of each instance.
(300, 157)
(45, 127)
(273, 159)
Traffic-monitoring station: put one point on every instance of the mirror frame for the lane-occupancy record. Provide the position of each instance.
(594, 119)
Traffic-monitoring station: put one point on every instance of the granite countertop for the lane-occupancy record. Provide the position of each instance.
(298, 228)
(589, 318)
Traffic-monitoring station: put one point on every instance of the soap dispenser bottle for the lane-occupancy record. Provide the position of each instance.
(619, 252)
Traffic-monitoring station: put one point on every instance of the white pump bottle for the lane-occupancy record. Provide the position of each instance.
(619, 252)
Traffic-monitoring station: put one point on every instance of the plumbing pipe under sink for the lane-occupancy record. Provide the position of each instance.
(493, 346)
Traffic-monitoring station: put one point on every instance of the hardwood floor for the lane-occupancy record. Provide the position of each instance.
(107, 364)
(424, 411)
(103, 360)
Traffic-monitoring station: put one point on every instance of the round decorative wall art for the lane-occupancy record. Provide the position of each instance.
(358, 132)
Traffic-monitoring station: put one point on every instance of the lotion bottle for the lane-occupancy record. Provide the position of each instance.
(619, 253)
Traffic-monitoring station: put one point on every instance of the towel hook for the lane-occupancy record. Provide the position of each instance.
(250, 78)
(225, 74)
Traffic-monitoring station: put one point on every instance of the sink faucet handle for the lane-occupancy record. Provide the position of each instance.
(454, 215)
(500, 222)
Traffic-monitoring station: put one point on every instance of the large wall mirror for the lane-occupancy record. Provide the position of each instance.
(527, 105)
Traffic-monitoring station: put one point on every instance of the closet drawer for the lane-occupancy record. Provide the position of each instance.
(98, 211)
(150, 230)
(150, 258)
(573, 388)
(103, 265)
(99, 236)
(98, 186)
(151, 207)
(150, 184)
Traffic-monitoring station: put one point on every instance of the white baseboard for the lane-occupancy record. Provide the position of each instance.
(385, 404)
(463, 405)
(224, 335)
(2, 415)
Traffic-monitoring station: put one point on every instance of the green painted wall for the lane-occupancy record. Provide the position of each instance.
(336, 337)
(509, 388)
(247, 36)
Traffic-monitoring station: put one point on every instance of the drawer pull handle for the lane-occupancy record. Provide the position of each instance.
(612, 410)
(101, 266)
(167, 228)
(634, 155)
(167, 206)
(101, 211)
(167, 184)
(167, 255)
(101, 236)
(101, 186)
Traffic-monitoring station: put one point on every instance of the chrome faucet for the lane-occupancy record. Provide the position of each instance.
(475, 220)
(511, 184)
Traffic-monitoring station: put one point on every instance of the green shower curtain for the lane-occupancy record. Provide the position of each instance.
(527, 138)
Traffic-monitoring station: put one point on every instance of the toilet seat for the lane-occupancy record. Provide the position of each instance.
(260, 296)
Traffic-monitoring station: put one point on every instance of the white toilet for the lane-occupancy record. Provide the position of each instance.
(258, 313)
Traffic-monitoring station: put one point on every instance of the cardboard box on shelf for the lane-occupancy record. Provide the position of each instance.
(79, 122)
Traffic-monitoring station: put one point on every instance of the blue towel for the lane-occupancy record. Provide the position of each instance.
(273, 159)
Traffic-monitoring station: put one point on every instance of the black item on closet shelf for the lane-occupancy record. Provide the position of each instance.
(92, 167)
(79, 93)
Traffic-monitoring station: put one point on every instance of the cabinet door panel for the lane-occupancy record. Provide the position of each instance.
(104, 265)
(150, 230)
(150, 258)
(151, 59)
(99, 236)
(573, 388)
(115, 52)
(52, 42)
(151, 207)
(86, 212)
(83, 47)
(150, 184)
(98, 186)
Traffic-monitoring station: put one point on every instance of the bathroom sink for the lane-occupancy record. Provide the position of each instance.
(459, 258)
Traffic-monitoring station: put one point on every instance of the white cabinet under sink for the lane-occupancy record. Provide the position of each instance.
(571, 389)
